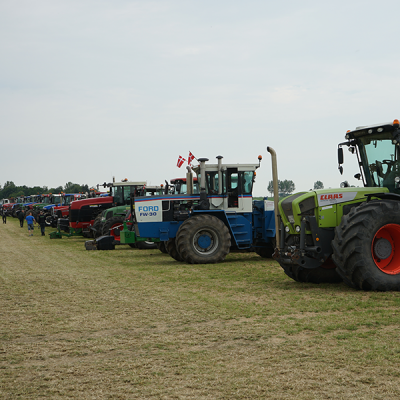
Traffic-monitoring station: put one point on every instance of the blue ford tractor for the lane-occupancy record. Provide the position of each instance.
(201, 228)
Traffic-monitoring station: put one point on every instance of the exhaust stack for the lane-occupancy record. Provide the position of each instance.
(276, 191)
(204, 203)
(219, 158)
(189, 180)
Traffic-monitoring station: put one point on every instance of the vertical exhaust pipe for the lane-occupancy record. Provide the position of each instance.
(204, 203)
(219, 158)
(189, 181)
(276, 191)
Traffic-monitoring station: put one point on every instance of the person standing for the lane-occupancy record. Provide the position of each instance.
(4, 216)
(42, 222)
(30, 220)
(21, 217)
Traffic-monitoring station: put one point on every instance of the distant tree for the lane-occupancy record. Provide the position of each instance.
(318, 185)
(75, 188)
(8, 189)
(68, 186)
(270, 187)
(58, 189)
(17, 193)
(286, 187)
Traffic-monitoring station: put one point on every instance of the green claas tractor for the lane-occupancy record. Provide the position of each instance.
(349, 233)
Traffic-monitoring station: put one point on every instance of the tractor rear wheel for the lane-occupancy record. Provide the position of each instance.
(113, 226)
(326, 273)
(203, 239)
(170, 245)
(366, 247)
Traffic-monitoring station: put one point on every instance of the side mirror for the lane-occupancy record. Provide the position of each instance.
(340, 155)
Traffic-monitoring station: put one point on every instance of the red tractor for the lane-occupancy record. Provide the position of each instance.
(83, 213)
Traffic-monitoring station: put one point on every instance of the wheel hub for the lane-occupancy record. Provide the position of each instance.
(204, 241)
(382, 248)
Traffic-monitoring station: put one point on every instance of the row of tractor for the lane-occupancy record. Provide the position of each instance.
(348, 234)
(52, 205)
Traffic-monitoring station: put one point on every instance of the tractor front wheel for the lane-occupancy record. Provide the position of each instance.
(366, 248)
(203, 239)
(326, 273)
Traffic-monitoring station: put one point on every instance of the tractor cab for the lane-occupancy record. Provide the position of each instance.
(121, 192)
(179, 186)
(377, 150)
(227, 186)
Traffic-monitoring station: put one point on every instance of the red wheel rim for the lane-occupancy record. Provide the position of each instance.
(385, 249)
(115, 231)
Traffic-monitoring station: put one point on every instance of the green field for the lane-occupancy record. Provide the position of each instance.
(135, 324)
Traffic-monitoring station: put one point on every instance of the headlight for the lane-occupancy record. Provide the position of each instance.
(298, 229)
(287, 229)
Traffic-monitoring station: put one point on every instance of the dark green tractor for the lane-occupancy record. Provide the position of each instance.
(349, 233)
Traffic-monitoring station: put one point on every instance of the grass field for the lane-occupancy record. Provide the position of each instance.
(135, 324)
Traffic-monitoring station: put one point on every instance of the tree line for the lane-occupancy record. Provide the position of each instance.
(10, 190)
(287, 187)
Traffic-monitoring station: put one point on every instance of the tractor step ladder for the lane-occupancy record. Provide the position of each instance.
(238, 227)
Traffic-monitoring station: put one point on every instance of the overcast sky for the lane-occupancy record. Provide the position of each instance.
(92, 89)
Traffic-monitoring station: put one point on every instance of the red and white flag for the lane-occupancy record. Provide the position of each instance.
(191, 158)
(180, 162)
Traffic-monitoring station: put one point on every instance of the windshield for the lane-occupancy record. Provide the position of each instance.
(380, 160)
(56, 199)
(68, 200)
(122, 194)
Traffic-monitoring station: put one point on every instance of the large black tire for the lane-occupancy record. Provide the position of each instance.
(112, 227)
(97, 226)
(170, 245)
(146, 245)
(366, 247)
(203, 239)
(267, 250)
(326, 273)
(161, 247)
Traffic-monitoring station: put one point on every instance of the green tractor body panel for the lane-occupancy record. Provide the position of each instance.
(113, 211)
(327, 205)
(129, 236)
